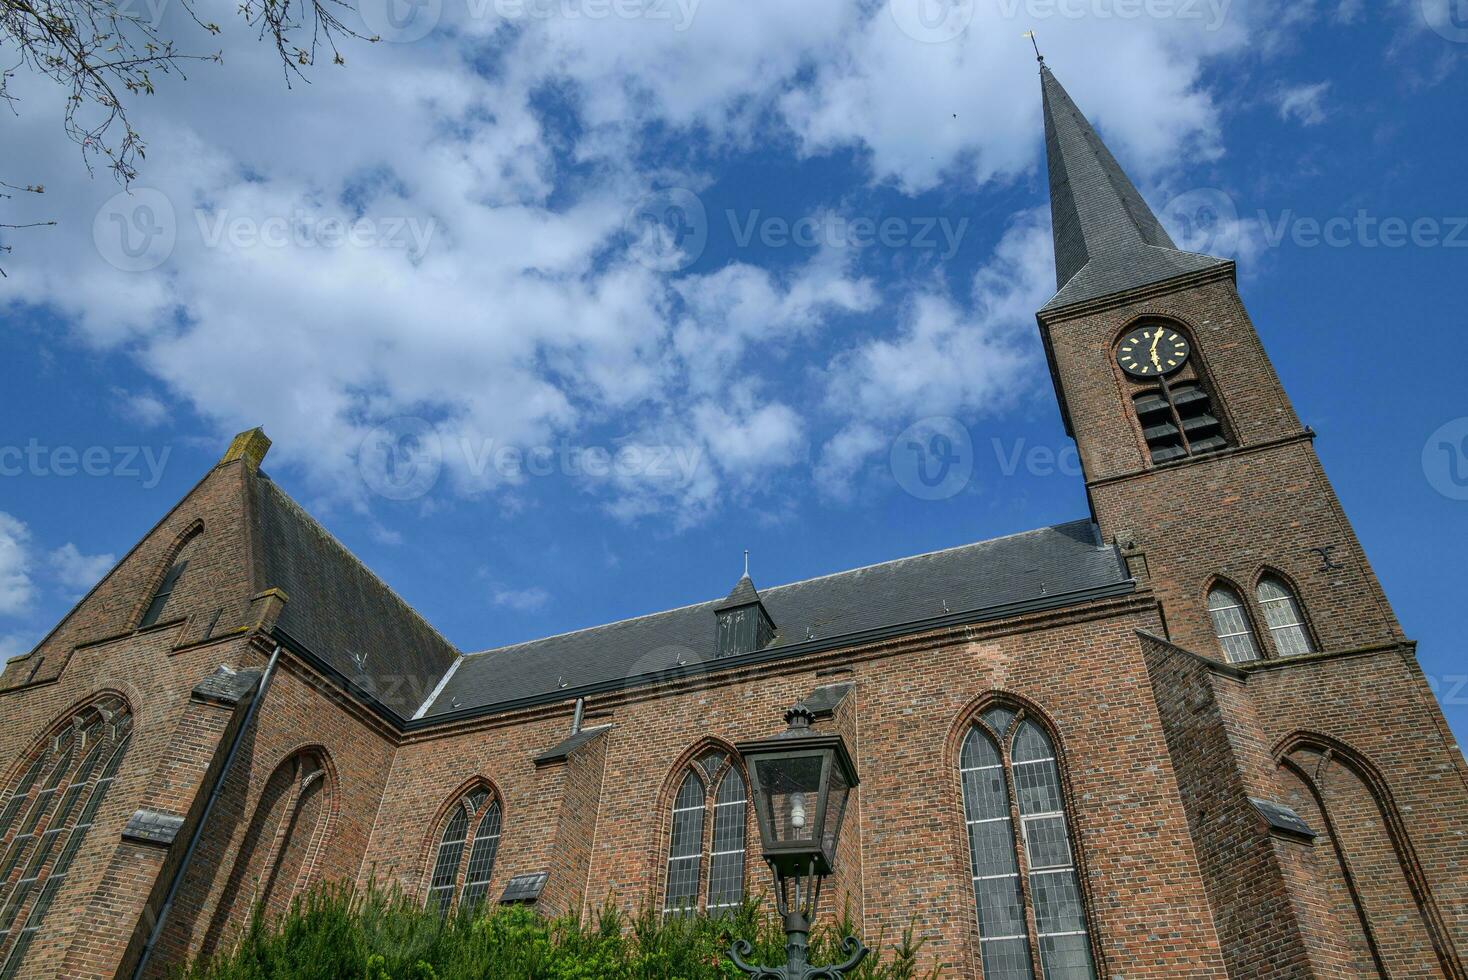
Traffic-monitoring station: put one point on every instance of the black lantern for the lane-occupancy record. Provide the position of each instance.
(802, 782)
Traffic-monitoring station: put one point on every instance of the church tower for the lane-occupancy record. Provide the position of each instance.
(1324, 792)
(1194, 459)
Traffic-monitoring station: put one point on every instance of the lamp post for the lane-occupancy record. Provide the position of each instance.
(802, 783)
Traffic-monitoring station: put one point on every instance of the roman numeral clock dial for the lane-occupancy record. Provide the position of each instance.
(1152, 351)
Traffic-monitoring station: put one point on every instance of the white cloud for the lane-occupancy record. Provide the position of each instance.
(14, 645)
(493, 294)
(945, 360)
(522, 600)
(1302, 103)
(78, 571)
(140, 407)
(16, 588)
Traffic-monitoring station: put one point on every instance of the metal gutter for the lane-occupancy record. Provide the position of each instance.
(214, 794)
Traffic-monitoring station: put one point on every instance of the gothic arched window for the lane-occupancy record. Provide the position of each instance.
(1370, 879)
(1174, 409)
(275, 861)
(1283, 617)
(712, 795)
(46, 816)
(1231, 624)
(1026, 889)
(463, 860)
(154, 613)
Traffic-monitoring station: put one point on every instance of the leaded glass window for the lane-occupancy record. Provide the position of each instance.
(464, 862)
(1283, 617)
(446, 862)
(709, 819)
(1231, 624)
(50, 811)
(685, 852)
(1026, 889)
(726, 857)
(481, 858)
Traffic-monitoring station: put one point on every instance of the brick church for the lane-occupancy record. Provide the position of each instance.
(1180, 736)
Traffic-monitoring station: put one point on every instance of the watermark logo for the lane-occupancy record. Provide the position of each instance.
(1449, 18)
(1203, 220)
(135, 230)
(142, 463)
(1211, 15)
(932, 21)
(936, 233)
(933, 459)
(401, 21)
(1445, 459)
(667, 230)
(401, 459)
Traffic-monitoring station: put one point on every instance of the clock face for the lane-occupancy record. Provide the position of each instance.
(1152, 351)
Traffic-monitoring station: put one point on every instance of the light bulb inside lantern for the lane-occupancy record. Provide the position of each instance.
(797, 811)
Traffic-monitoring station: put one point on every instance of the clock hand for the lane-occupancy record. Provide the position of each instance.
(1156, 361)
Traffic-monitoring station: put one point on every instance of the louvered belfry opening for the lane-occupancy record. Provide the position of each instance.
(743, 624)
(1177, 417)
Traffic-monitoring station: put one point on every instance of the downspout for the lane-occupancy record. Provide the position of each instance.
(214, 794)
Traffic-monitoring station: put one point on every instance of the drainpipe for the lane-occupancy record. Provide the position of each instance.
(214, 794)
(580, 713)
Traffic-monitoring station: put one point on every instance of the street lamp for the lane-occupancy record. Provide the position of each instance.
(802, 784)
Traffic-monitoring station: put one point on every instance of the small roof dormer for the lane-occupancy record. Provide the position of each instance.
(743, 624)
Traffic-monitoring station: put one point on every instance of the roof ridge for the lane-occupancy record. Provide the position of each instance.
(319, 528)
(777, 588)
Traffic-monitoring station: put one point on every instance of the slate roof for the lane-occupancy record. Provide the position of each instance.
(338, 610)
(1106, 237)
(1053, 565)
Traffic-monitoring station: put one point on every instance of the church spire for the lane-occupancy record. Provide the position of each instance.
(1106, 237)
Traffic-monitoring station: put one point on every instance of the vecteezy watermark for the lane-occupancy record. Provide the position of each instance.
(406, 21)
(303, 229)
(933, 459)
(1445, 459)
(138, 230)
(678, 14)
(143, 463)
(1449, 18)
(403, 458)
(1450, 689)
(135, 230)
(1206, 220)
(932, 21)
(1210, 15)
(400, 21)
(667, 230)
(941, 234)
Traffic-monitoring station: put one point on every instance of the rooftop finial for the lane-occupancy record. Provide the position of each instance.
(1038, 56)
(746, 563)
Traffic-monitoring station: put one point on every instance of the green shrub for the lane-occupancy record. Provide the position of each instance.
(336, 932)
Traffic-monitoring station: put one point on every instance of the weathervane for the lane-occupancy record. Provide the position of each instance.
(1038, 56)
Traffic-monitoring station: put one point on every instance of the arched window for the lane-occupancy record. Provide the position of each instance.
(1283, 617)
(1174, 409)
(1368, 872)
(1026, 889)
(463, 861)
(154, 613)
(275, 860)
(1231, 624)
(46, 817)
(695, 808)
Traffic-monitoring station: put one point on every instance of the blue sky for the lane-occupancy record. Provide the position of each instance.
(732, 252)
